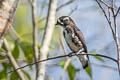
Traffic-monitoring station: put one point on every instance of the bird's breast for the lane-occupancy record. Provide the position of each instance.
(73, 42)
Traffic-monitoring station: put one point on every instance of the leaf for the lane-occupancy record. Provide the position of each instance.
(89, 71)
(2, 52)
(3, 75)
(28, 50)
(14, 76)
(27, 75)
(2, 57)
(71, 70)
(62, 63)
(16, 52)
(7, 65)
(99, 58)
(39, 45)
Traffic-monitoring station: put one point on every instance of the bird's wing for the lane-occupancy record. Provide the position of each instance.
(81, 37)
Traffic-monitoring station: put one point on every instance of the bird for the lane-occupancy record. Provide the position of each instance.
(74, 38)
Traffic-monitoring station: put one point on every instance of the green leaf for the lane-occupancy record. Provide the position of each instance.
(2, 57)
(16, 52)
(27, 75)
(39, 45)
(3, 75)
(2, 52)
(7, 65)
(14, 76)
(28, 50)
(99, 58)
(71, 69)
(62, 63)
(89, 71)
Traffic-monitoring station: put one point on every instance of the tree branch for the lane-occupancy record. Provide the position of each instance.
(69, 55)
(12, 60)
(109, 22)
(63, 5)
(35, 35)
(7, 10)
(58, 8)
(115, 33)
(47, 37)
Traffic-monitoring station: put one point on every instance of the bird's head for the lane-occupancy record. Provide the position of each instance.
(65, 21)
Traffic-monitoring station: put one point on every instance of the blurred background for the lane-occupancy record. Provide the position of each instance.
(88, 18)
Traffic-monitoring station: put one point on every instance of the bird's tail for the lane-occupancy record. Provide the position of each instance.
(84, 59)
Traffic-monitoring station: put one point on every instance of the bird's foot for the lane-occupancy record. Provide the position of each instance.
(71, 54)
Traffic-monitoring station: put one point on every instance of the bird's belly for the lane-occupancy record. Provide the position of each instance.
(71, 44)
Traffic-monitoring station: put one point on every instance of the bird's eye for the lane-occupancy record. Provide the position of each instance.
(66, 19)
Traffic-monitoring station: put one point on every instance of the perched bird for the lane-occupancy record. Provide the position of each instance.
(74, 38)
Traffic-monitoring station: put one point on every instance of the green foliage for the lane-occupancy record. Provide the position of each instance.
(28, 51)
(14, 76)
(71, 70)
(16, 52)
(99, 58)
(3, 75)
(89, 70)
(27, 75)
(7, 66)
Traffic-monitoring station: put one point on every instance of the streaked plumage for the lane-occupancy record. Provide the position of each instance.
(74, 38)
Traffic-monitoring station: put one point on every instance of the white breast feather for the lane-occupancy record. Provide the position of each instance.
(68, 38)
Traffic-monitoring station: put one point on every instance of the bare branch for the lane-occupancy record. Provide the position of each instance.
(7, 10)
(12, 60)
(115, 33)
(106, 3)
(60, 7)
(63, 5)
(35, 35)
(47, 37)
(69, 55)
(117, 12)
(109, 22)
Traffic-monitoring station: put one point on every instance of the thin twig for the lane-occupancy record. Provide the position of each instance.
(104, 56)
(109, 22)
(60, 7)
(35, 35)
(108, 5)
(109, 15)
(115, 33)
(12, 60)
(65, 4)
(117, 12)
(6, 19)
